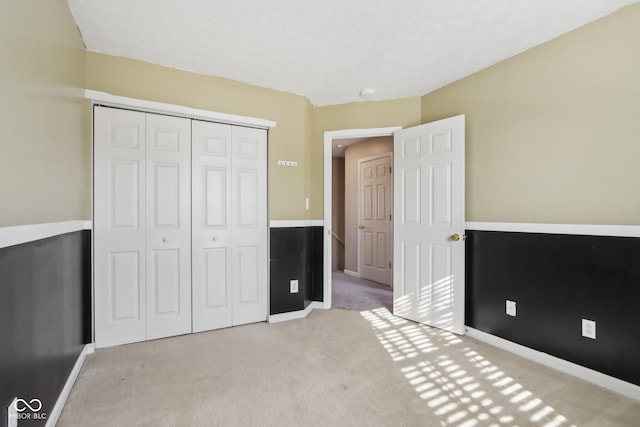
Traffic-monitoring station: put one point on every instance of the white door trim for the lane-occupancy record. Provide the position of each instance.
(107, 99)
(360, 161)
(329, 136)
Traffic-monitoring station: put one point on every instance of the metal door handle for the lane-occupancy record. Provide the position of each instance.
(361, 227)
(454, 237)
(164, 239)
(213, 238)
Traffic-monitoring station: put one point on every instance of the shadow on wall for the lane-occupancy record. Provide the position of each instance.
(337, 213)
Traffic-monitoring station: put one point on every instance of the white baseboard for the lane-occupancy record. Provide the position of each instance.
(292, 315)
(53, 417)
(595, 377)
(352, 273)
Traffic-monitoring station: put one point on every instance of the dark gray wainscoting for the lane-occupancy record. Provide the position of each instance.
(557, 280)
(296, 253)
(45, 317)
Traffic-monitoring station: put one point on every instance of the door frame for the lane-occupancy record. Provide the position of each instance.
(329, 136)
(360, 161)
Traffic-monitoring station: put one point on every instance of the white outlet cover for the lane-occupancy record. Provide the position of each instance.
(511, 308)
(589, 328)
(293, 285)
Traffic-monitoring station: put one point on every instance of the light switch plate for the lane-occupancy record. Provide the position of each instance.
(293, 285)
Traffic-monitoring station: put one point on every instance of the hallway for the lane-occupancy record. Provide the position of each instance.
(353, 293)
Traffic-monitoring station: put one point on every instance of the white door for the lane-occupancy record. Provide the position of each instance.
(429, 224)
(211, 213)
(249, 223)
(375, 220)
(119, 227)
(168, 157)
(229, 225)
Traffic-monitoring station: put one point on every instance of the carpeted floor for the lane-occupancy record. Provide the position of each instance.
(359, 294)
(334, 368)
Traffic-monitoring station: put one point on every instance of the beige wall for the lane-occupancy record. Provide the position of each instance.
(289, 140)
(337, 212)
(352, 154)
(360, 115)
(44, 150)
(553, 134)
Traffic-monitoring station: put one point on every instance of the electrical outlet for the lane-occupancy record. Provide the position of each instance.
(293, 286)
(511, 308)
(589, 328)
(12, 414)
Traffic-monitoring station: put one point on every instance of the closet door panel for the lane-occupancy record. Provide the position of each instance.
(119, 226)
(168, 262)
(249, 224)
(211, 238)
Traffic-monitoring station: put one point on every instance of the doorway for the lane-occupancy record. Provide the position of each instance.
(333, 240)
(375, 211)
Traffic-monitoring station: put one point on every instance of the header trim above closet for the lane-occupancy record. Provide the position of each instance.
(107, 99)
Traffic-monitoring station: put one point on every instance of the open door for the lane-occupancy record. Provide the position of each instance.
(428, 247)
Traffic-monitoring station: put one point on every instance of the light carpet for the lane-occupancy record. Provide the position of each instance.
(359, 294)
(334, 368)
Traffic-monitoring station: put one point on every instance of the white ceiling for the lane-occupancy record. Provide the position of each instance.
(329, 50)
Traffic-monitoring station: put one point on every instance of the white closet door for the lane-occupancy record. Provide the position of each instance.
(211, 240)
(119, 226)
(229, 225)
(168, 157)
(249, 222)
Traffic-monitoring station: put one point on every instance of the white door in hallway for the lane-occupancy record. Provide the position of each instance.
(375, 223)
(429, 224)
(229, 225)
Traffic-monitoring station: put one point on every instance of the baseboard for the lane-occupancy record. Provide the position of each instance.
(352, 273)
(292, 315)
(53, 417)
(595, 377)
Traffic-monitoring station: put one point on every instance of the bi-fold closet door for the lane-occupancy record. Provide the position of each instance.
(142, 226)
(229, 225)
(151, 208)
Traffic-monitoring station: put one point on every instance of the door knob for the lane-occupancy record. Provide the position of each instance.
(454, 237)
(213, 238)
(164, 239)
(361, 227)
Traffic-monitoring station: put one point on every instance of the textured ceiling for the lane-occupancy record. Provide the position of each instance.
(329, 50)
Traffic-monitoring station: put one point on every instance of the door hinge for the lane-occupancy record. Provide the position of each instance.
(389, 217)
(390, 169)
(389, 264)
